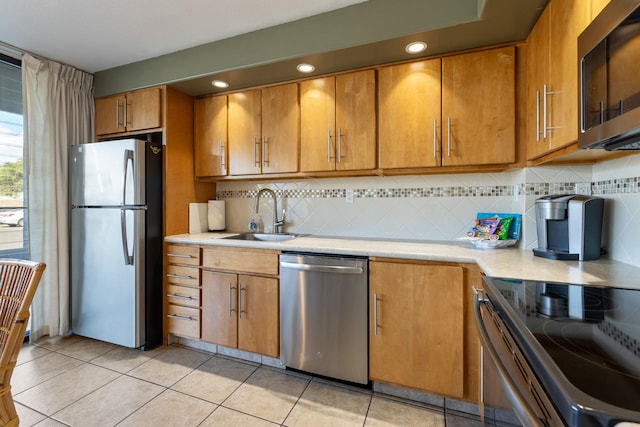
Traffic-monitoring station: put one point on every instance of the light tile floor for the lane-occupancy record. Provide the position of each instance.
(75, 381)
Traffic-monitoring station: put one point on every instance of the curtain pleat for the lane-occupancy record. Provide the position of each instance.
(58, 113)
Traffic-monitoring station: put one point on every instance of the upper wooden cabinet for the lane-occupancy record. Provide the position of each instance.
(129, 112)
(417, 326)
(478, 108)
(597, 6)
(409, 115)
(338, 122)
(552, 76)
(458, 111)
(210, 136)
(263, 130)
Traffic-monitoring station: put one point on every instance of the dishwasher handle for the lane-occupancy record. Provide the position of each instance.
(343, 269)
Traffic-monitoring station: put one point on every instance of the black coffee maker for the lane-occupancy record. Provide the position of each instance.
(569, 227)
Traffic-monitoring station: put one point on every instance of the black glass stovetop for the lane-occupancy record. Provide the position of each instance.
(583, 343)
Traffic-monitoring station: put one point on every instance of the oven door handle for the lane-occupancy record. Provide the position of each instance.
(525, 414)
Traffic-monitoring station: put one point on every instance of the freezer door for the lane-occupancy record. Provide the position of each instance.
(109, 173)
(108, 275)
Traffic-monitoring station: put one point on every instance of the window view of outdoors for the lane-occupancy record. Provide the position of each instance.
(13, 218)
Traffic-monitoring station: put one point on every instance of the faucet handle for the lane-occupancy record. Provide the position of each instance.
(279, 224)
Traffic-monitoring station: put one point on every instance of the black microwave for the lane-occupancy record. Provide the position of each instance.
(609, 66)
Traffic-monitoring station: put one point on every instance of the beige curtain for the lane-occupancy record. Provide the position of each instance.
(58, 112)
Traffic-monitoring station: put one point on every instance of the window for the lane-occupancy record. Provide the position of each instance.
(13, 211)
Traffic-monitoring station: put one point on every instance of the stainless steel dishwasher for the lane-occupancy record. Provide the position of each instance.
(323, 315)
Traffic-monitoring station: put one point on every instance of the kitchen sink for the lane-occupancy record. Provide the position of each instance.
(264, 237)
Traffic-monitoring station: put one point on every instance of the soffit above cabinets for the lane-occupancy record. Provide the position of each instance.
(367, 33)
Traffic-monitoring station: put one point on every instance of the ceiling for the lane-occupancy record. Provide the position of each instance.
(129, 44)
(95, 35)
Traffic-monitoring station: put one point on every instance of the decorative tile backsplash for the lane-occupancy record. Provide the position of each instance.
(439, 207)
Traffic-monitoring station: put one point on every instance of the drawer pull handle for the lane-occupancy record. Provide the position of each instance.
(180, 276)
(186, 297)
(180, 256)
(176, 316)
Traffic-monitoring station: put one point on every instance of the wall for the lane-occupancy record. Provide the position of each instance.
(442, 207)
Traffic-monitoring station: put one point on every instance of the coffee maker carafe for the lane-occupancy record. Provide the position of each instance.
(569, 227)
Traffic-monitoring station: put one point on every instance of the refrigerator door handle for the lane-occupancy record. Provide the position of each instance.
(128, 259)
(128, 157)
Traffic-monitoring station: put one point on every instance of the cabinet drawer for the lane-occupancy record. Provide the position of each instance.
(241, 260)
(187, 276)
(183, 295)
(189, 255)
(183, 321)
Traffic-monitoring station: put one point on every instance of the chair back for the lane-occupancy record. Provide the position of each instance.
(18, 283)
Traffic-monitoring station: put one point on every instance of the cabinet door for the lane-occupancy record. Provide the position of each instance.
(567, 19)
(258, 312)
(317, 124)
(245, 133)
(219, 308)
(210, 136)
(280, 129)
(537, 76)
(409, 115)
(417, 331)
(110, 114)
(356, 121)
(597, 6)
(478, 108)
(144, 109)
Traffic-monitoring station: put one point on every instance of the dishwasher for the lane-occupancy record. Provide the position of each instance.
(324, 315)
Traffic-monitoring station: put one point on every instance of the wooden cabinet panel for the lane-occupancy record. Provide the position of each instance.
(246, 260)
(188, 255)
(264, 129)
(129, 112)
(259, 314)
(183, 295)
(355, 121)
(241, 311)
(417, 333)
(144, 109)
(317, 124)
(109, 114)
(210, 136)
(338, 123)
(280, 129)
(409, 103)
(537, 77)
(478, 108)
(219, 308)
(597, 6)
(245, 132)
(183, 321)
(567, 19)
(552, 77)
(184, 276)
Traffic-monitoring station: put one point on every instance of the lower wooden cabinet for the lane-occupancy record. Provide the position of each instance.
(241, 311)
(417, 326)
(182, 291)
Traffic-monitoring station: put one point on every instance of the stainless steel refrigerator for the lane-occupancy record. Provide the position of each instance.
(115, 190)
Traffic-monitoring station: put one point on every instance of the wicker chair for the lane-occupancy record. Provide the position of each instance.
(18, 282)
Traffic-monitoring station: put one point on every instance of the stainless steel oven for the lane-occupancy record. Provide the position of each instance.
(567, 355)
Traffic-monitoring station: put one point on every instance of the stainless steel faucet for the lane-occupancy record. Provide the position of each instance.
(277, 225)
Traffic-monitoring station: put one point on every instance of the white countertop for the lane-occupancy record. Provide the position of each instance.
(507, 263)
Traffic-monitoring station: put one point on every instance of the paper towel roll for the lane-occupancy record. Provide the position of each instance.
(215, 215)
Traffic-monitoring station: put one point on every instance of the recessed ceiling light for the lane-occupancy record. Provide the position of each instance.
(415, 47)
(220, 84)
(306, 68)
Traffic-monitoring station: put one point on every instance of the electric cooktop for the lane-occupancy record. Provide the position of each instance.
(582, 342)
